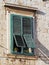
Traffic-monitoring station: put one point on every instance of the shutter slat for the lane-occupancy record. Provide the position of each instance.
(19, 41)
(16, 24)
(29, 41)
(17, 31)
(26, 25)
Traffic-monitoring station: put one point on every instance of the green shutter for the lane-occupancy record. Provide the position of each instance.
(21, 31)
(11, 32)
(17, 25)
(28, 31)
(17, 31)
(29, 41)
(26, 25)
(19, 41)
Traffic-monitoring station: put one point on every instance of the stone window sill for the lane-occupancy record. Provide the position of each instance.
(21, 57)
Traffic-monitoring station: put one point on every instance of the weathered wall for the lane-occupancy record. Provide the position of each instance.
(18, 12)
(42, 32)
(2, 28)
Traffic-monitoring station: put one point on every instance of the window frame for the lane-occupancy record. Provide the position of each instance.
(11, 33)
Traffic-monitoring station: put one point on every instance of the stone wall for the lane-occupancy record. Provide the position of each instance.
(41, 34)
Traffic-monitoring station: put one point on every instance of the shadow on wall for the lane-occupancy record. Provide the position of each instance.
(41, 51)
(41, 12)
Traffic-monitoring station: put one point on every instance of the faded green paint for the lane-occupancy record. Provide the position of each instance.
(29, 41)
(11, 32)
(32, 45)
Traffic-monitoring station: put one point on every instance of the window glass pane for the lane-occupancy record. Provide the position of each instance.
(26, 50)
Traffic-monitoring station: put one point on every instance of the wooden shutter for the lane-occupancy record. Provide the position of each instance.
(21, 31)
(26, 25)
(28, 31)
(29, 41)
(17, 25)
(19, 41)
(17, 31)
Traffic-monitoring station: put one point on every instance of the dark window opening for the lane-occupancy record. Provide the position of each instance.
(29, 51)
(19, 41)
(15, 48)
(26, 50)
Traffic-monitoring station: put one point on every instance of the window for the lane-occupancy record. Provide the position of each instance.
(22, 41)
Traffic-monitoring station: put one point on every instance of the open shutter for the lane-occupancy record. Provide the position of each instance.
(19, 41)
(21, 33)
(17, 33)
(29, 41)
(28, 31)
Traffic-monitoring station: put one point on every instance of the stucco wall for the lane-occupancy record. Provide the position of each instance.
(41, 36)
(10, 11)
(42, 30)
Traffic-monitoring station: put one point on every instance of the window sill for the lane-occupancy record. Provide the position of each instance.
(22, 57)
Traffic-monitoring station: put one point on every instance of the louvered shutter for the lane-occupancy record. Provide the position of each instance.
(29, 41)
(17, 25)
(28, 31)
(26, 25)
(17, 31)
